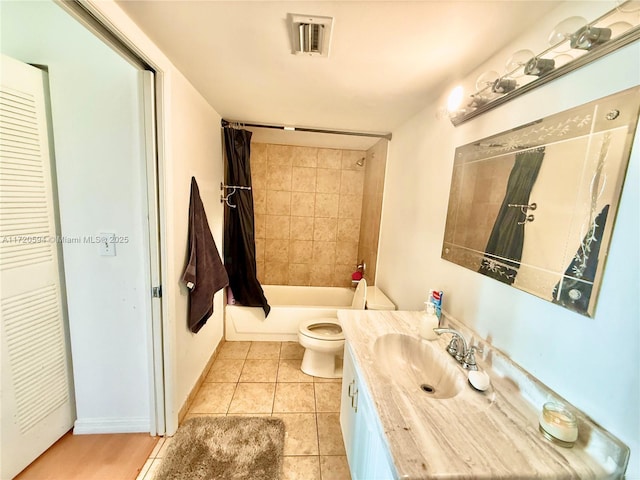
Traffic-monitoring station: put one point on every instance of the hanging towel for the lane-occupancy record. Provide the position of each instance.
(205, 274)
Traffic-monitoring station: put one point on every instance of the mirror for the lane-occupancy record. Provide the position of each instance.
(534, 207)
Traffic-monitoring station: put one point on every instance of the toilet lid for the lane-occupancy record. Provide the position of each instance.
(322, 329)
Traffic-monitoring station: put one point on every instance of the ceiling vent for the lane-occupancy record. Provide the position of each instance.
(310, 35)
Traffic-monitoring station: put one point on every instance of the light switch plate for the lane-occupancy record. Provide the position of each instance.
(107, 244)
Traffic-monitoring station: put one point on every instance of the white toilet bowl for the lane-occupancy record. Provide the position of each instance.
(323, 340)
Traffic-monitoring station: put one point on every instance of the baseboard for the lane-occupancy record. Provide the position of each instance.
(192, 394)
(86, 426)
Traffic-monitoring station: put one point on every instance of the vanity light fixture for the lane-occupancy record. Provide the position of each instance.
(574, 42)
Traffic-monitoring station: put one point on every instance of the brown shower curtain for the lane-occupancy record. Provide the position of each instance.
(504, 248)
(239, 231)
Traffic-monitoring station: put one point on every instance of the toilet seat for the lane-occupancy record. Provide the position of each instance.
(326, 329)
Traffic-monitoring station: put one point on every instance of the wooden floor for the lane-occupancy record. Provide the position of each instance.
(92, 457)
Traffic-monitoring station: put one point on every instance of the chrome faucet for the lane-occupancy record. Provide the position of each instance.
(458, 349)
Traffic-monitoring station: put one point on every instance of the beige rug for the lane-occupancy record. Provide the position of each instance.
(225, 448)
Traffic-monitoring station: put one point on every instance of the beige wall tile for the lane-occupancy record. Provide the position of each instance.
(260, 272)
(329, 158)
(351, 182)
(260, 244)
(324, 253)
(301, 228)
(259, 176)
(303, 179)
(327, 205)
(350, 206)
(279, 154)
(277, 227)
(305, 156)
(279, 177)
(276, 250)
(258, 154)
(342, 275)
(324, 230)
(301, 251)
(321, 275)
(346, 253)
(350, 157)
(259, 201)
(276, 273)
(303, 204)
(348, 230)
(299, 273)
(328, 180)
(259, 225)
(278, 202)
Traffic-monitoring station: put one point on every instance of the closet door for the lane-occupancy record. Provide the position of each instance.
(37, 401)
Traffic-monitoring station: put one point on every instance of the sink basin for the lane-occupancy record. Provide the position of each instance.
(416, 364)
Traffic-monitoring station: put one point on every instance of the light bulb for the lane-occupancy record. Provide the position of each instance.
(563, 31)
(455, 99)
(516, 62)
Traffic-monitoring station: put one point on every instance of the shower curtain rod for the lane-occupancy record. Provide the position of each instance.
(227, 123)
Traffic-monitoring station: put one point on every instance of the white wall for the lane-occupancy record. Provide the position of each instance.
(190, 144)
(592, 362)
(197, 151)
(99, 163)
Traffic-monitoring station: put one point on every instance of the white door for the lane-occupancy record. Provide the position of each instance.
(37, 401)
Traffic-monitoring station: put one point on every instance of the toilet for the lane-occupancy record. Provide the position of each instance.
(323, 338)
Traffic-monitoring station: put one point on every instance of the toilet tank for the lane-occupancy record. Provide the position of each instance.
(377, 300)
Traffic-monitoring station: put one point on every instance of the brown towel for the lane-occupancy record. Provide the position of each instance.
(205, 274)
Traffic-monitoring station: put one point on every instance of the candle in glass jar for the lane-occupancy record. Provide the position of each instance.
(559, 423)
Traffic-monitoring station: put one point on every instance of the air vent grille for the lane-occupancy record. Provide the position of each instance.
(310, 35)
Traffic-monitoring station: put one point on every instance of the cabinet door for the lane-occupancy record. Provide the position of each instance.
(374, 461)
(347, 406)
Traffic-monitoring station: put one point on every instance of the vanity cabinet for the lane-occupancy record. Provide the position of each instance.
(367, 453)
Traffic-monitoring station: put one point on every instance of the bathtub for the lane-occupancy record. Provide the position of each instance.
(289, 306)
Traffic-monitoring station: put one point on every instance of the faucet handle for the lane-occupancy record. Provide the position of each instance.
(453, 346)
(470, 358)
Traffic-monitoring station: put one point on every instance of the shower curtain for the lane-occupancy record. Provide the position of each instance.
(504, 248)
(239, 232)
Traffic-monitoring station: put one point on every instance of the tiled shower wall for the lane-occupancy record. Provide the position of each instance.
(307, 203)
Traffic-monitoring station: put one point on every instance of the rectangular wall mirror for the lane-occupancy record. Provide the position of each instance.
(534, 207)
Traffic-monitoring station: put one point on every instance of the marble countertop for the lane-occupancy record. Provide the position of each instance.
(473, 435)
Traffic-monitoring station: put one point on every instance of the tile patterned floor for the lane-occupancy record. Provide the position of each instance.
(264, 378)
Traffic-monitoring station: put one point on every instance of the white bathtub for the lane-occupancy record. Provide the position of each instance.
(289, 306)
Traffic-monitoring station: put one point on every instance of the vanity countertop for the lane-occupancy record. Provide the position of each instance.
(491, 435)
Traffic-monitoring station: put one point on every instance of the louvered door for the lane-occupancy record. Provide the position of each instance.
(37, 402)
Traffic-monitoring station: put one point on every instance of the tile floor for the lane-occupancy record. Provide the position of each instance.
(264, 378)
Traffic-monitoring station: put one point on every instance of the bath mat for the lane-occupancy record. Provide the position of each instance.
(225, 448)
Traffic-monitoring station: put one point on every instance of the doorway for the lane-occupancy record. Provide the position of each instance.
(102, 129)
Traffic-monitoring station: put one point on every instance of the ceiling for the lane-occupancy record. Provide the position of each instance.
(387, 60)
